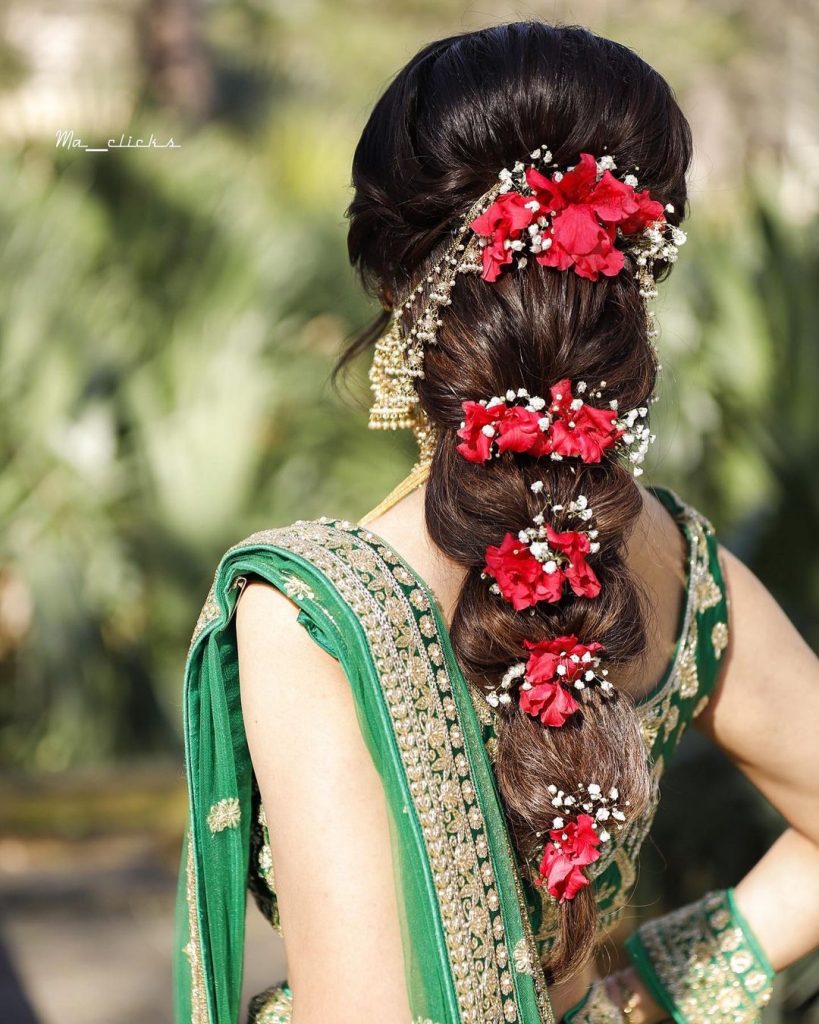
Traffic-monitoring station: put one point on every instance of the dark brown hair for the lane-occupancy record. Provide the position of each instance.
(463, 108)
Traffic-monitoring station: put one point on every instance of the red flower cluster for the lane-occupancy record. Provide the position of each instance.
(578, 217)
(580, 430)
(509, 428)
(568, 427)
(554, 666)
(525, 576)
(505, 221)
(571, 848)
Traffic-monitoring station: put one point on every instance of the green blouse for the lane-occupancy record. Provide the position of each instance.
(665, 712)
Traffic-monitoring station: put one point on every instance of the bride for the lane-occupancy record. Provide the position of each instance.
(430, 741)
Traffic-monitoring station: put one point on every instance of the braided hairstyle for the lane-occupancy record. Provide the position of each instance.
(461, 109)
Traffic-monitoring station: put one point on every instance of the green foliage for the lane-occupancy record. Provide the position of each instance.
(167, 336)
(168, 321)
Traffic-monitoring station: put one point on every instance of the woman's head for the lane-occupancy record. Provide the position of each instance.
(461, 110)
(468, 105)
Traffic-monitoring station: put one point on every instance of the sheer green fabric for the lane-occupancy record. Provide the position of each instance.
(469, 950)
(474, 924)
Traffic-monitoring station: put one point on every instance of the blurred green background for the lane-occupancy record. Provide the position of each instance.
(168, 321)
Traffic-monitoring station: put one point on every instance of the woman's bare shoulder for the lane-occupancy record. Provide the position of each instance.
(329, 830)
(765, 709)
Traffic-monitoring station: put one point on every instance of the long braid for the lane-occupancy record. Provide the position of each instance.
(462, 108)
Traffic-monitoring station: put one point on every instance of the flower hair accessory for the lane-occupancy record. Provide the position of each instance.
(534, 564)
(565, 426)
(580, 218)
(572, 219)
(558, 672)
(577, 832)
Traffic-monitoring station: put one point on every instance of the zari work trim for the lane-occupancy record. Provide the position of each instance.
(402, 634)
(525, 959)
(702, 963)
(193, 951)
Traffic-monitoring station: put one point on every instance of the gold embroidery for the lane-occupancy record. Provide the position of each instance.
(193, 949)
(700, 958)
(672, 718)
(224, 814)
(265, 864)
(482, 709)
(719, 638)
(689, 681)
(297, 588)
(521, 957)
(706, 592)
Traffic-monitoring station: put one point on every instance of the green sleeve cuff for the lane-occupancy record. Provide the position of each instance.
(704, 962)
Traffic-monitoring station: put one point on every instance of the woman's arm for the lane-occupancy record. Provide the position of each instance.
(765, 715)
(327, 812)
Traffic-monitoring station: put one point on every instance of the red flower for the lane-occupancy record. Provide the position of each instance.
(648, 211)
(580, 241)
(550, 702)
(520, 576)
(476, 445)
(547, 655)
(548, 698)
(585, 213)
(609, 198)
(505, 220)
(561, 867)
(518, 429)
(515, 429)
(586, 432)
(579, 574)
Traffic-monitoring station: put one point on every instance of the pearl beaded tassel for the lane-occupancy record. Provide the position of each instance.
(398, 358)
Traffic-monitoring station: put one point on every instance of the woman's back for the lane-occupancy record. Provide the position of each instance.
(686, 597)
(657, 555)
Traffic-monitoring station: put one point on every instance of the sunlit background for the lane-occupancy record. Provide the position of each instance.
(168, 320)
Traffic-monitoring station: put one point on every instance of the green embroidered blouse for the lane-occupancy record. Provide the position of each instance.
(665, 712)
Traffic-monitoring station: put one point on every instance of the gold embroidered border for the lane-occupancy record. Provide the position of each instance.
(193, 950)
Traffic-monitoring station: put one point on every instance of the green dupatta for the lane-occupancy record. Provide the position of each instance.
(468, 946)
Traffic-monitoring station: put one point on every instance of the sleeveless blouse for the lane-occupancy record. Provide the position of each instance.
(664, 713)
